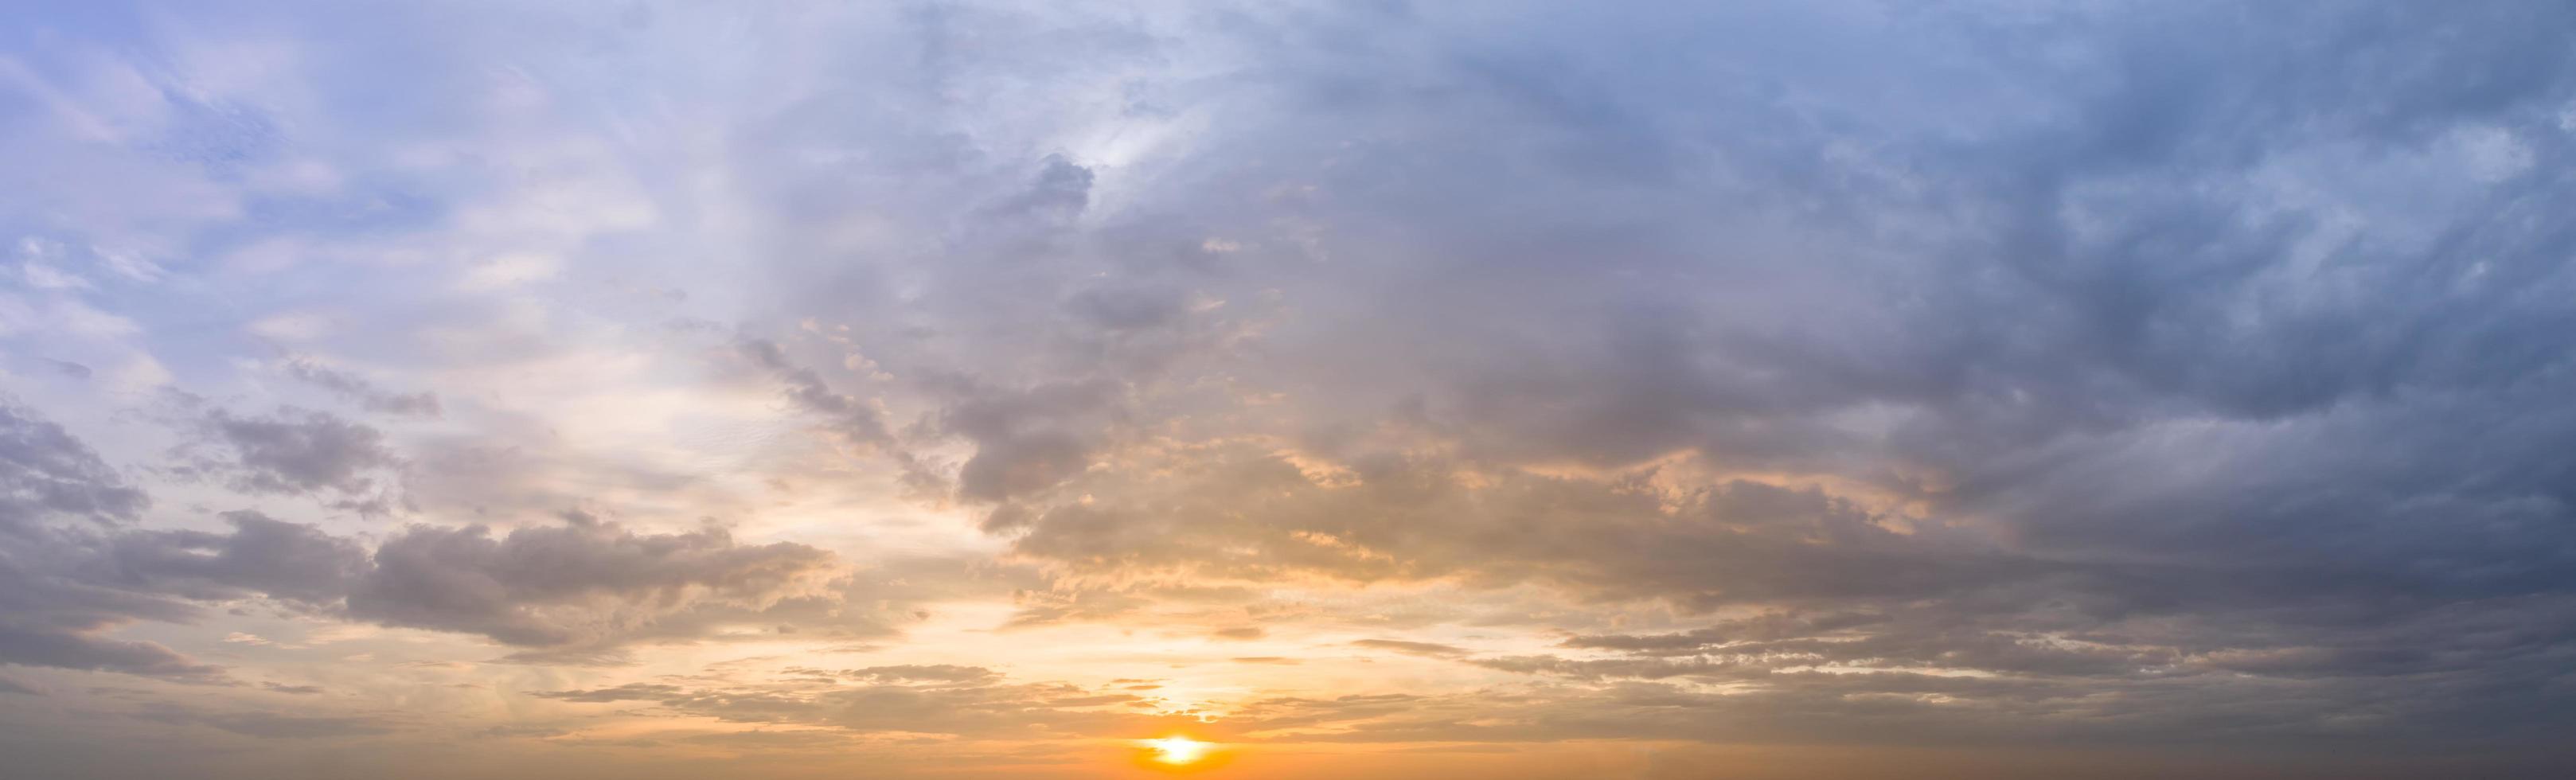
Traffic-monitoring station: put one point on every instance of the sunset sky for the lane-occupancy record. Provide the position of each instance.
(1380, 389)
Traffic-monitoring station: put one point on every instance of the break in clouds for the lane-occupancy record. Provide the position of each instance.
(1375, 389)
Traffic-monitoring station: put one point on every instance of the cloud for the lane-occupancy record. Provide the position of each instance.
(65, 640)
(52, 608)
(584, 584)
(295, 452)
(1416, 519)
(1411, 648)
(262, 555)
(356, 388)
(980, 706)
(1607, 668)
(1809, 372)
(945, 673)
(44, 470)
(268, 725)
(577, 590)
(69, 586)
(1030, 439)
(2119, 375)
(627, 692)
(1766, 627)
(856, 420)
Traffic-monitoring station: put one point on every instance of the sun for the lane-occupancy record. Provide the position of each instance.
(1176, 750)
(1179, 754)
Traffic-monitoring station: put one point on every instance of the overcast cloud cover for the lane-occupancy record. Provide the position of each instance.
(1383, 389)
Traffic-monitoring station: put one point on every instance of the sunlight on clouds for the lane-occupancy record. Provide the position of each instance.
(652, 389)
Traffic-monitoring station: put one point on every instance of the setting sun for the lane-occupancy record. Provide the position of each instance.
(1176, 750)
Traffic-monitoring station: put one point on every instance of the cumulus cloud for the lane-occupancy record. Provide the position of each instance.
(296, 452)
(69, 586)
(261, 555)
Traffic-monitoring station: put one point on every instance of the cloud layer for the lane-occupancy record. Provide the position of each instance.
(615, 385)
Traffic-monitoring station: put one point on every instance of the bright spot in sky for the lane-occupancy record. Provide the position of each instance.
(1176, 750)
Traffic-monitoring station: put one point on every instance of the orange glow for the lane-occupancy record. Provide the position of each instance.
(1178, 753)
(1177, 750)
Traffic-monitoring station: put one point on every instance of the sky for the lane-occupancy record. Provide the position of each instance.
(1381, 389)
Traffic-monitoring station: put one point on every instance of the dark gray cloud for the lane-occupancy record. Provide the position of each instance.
(69, 585)
(297, 451)
(53, 607)
(261, 555)
(64, 639)
(582, 585)
(44, 470)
